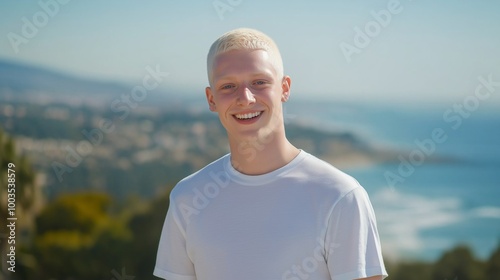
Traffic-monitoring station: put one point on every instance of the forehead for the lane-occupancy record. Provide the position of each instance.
(241, 62)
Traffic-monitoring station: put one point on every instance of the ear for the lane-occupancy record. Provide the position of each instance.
(210, 99)
(285, 86)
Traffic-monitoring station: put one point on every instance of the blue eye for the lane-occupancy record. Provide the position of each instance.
(226, 86)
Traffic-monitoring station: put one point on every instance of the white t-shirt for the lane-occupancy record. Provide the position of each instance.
(306, 220)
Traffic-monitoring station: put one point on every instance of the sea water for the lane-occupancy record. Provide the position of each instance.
(442, 203)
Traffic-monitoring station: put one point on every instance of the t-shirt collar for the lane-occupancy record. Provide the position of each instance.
(256, 180)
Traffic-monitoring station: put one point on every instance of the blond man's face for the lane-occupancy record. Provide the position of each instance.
(247, 93)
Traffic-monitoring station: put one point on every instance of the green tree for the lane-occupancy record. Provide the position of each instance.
(493, 265)
(78, 237)
(146, 229)
(458, 263)
(25, 175)
(25, 194)
(411, 271)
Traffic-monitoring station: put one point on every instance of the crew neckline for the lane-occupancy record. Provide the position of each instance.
(256, 180)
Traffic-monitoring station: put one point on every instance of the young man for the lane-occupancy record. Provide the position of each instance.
(267, 210)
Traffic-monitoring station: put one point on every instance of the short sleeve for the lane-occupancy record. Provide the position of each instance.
(172, 261)
(352, 240)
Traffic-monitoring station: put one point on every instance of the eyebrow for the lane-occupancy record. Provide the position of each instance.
(252, 75)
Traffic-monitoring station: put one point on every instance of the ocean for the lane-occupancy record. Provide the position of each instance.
(439, 203)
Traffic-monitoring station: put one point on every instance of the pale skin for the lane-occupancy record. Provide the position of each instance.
(243, 84)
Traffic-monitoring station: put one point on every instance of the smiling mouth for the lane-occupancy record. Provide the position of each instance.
(247, 116)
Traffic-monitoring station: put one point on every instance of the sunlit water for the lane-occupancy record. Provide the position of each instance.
(438, 205)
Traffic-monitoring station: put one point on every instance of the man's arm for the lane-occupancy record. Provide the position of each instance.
(354, 228)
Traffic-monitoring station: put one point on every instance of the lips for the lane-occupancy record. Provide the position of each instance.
(247, 116)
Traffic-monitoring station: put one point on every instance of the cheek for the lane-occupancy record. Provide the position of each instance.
(278, 91)
(223, 105)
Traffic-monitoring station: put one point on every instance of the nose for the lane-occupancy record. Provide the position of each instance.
(245, 96)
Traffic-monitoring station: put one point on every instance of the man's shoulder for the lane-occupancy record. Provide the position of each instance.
(209, 173)
(324, 175)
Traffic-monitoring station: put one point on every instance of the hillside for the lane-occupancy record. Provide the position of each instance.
(82, 136)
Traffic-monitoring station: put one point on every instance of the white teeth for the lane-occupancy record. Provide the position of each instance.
(247, 116)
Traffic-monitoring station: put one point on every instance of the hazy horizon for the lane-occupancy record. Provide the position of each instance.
(382, 51)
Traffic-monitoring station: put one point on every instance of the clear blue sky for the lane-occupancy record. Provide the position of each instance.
(429, 51)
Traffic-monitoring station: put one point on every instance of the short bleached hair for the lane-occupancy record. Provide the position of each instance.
(244, 39)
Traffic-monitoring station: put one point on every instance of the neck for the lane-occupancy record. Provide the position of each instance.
(261, 155)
